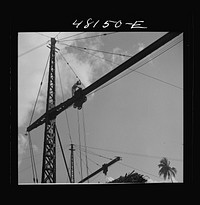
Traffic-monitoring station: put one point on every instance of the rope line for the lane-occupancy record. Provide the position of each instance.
(65, 161)
(70, 66)
(93, 153)
(92, 54)
(131, 153)
(77, 164)
(131, 70)
(85, 165)
(85, 143)
(57, 35)
(33, 165)
(61, 39)
(34, 170)
(39, 91)
(63, 101)
(43, 35)
(129, 166)
(104, 157)
(79, 138)
(104, 34)
(113, 63)
(32, 49)
(100, 51)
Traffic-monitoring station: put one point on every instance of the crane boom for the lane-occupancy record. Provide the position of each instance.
(105, 166)
(119, 69)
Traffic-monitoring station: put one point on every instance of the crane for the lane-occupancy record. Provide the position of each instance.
(79, 97)
(119, 69)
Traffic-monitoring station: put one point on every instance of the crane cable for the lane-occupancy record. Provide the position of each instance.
(96, 50)
(39, 90)
(34, 170)
(63, 101)
(92, 54)
(99, 35)
(33, 165)
(129, 153)
(41, 34)
(92, 160)
(93, 153)
(31, 156)
(76, 163)
(65, 161)
(134, 69)
(85, 143)
(32, 49)
(70, 66)
(61, 39)
(83, 49)
(57, 35)
(79, 137)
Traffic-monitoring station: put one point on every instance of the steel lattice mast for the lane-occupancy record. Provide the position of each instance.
(49, 150)
(72, 163)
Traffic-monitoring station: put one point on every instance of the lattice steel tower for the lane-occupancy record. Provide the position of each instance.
(72, 164)
(49, 150)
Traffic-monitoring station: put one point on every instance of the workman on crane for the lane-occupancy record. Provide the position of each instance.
(77, 91)
(105, 168)
(75, 87)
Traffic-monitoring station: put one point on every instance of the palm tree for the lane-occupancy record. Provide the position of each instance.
(166, 170)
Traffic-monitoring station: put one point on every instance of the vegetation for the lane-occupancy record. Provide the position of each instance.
(133, 177)
(166, 170)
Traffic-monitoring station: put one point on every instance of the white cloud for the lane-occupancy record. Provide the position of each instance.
(141, 46)
(117, 59)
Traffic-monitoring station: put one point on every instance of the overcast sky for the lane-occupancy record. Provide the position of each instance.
(138, 116)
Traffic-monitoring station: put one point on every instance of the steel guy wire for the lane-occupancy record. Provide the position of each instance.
(32, 49)
(63, 101)
(131, 70)
(104, 34)
(62, 39)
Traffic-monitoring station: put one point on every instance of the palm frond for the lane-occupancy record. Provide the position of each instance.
(165, 175)
(165, 169)
(174, 170)
(169, 174)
